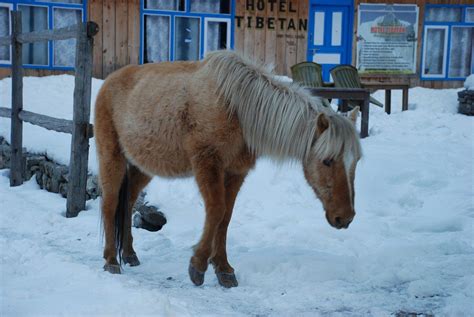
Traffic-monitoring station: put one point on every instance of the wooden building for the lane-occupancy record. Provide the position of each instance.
(426, 43)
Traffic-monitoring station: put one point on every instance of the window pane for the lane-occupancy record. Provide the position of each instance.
(64, 1)
(4, 31)
(443, 14)
(186, 39)
(173, 5)
(461, 46)
(470, 15)
(157, 39)
(434, 51)
(65, 50)
(210, 6)
(216, 36)
(34, 19)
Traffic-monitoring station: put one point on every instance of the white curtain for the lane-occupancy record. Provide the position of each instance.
(65, 50)
(4, 31)
(470, 15)
(207, 6)
(434, 51)
(443, 14)
(173, 5)
(157, 34)
(461, 51)
(34, 19)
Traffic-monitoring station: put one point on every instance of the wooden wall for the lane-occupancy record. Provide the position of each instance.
(262, 31)
(414, 80)
(118, 42)
(275, 34)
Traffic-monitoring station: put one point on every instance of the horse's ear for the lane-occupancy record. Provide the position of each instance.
(322, 123)
(354, 114)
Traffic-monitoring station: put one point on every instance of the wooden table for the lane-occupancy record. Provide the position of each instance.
(348, 94)
(388, 87)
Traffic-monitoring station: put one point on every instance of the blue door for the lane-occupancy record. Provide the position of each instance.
(329, 40)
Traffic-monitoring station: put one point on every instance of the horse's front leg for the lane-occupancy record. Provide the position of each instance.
(210, 179)
(224, 271)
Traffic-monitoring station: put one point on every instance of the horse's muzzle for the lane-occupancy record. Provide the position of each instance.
(340, 222)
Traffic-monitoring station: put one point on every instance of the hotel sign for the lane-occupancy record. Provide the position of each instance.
(272, 15)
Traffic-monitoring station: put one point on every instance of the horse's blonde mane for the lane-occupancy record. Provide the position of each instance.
(278, 119)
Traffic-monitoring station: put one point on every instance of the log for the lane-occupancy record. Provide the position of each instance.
(16, 136)
(44, 121)
(65, 33)
(76, 200)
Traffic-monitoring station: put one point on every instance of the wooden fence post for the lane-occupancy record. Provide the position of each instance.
(78, 165)
(16, 169)
(364, 128)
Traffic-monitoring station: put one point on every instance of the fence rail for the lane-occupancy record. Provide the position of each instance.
(47, 122)
(79, 127)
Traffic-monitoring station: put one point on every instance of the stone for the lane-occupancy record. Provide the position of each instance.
(150, 218)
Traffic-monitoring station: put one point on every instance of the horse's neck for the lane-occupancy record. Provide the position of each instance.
(279, 131)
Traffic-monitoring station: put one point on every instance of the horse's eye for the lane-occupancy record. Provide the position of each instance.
(327, 162)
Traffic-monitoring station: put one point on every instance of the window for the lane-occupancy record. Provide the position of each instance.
(435, 51)
(210, 6)
(65, 50)
(448, 44)
(216, 34)
(42, 15)
(34, 18)
(5, 30)
(157, 38)
(184, 29)
(186, 39)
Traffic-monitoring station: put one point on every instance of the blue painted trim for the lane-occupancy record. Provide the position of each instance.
(50, 6)
(142, 25)
(449, 25)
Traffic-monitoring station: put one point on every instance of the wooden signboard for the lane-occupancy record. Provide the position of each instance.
(272, 31)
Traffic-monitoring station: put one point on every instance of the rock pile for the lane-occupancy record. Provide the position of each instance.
(54, 178)
(466, 102)
(48, 174)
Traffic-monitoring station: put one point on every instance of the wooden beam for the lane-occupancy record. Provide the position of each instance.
(16, 136)
(65, 33)
(78, 166)
(5, 112)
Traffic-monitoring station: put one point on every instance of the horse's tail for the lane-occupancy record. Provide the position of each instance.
(121, 212)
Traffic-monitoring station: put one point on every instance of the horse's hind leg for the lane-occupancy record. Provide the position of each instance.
(138, 181)
(112, 167)
(224, 271)
(210, 179)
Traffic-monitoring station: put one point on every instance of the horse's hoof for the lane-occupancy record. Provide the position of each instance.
(112, 268)
(227, 280)
(196, 277)
(132, 260)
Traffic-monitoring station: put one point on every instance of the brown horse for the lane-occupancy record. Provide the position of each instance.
(213, 119)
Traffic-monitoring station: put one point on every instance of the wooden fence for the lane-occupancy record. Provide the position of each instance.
(79, 127)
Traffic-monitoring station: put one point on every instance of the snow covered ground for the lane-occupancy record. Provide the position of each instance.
(410, 247)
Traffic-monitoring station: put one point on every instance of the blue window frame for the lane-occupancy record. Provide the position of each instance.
(184, 29)
(39, 15)
(448, 42)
